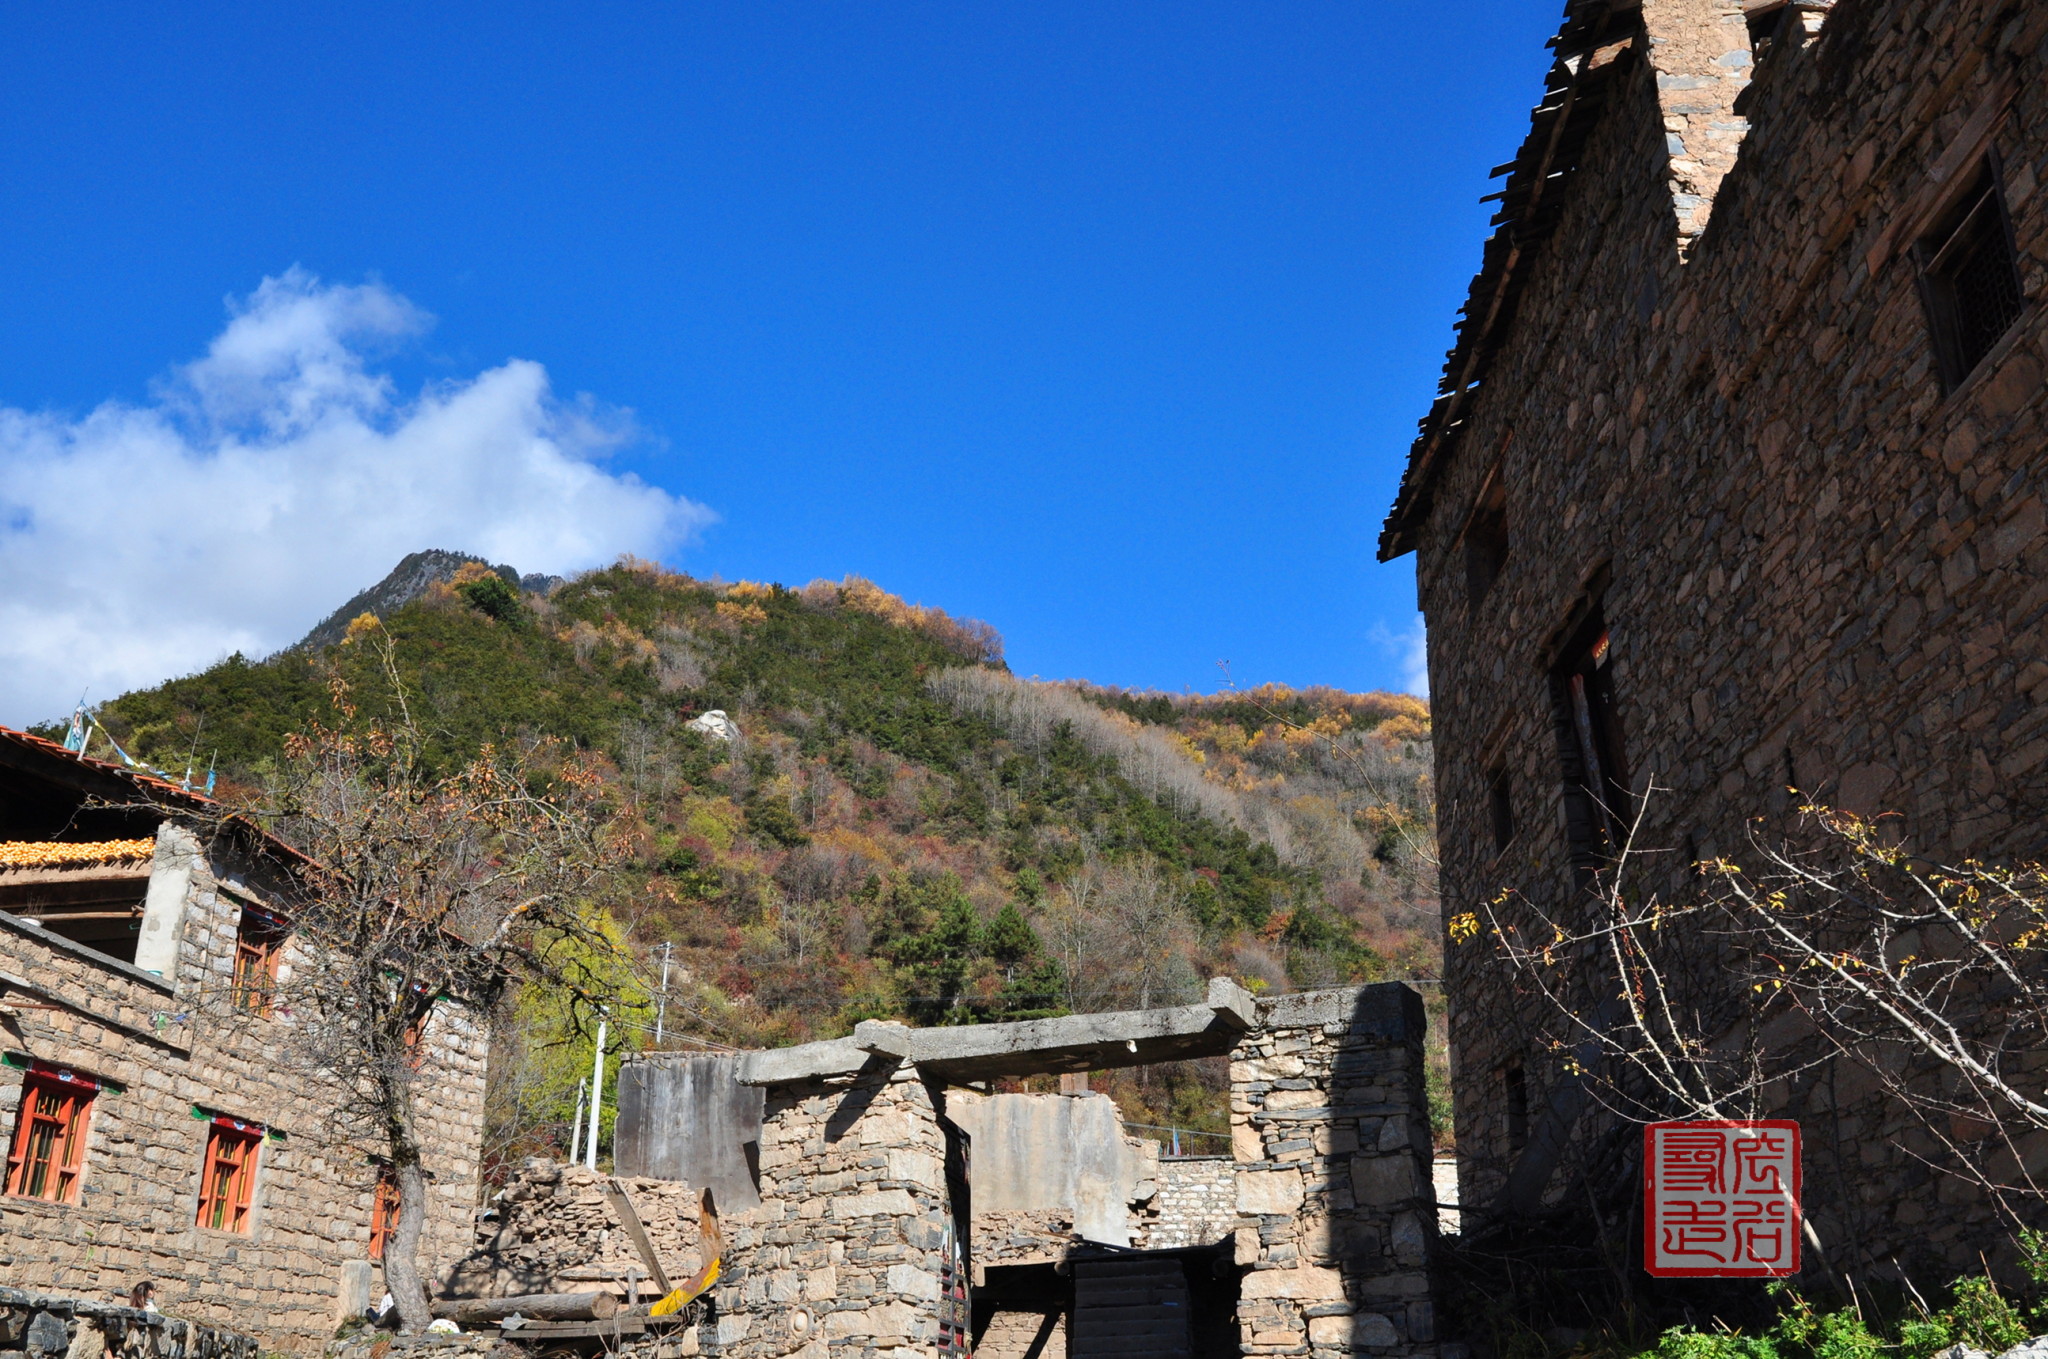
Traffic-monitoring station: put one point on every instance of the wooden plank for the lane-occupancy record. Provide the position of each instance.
(622, 1204)
(545, 1306)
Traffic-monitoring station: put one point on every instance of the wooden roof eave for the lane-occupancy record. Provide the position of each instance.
(1531, 203)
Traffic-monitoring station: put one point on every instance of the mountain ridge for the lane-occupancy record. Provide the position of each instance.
(905, 828)
(414, 575)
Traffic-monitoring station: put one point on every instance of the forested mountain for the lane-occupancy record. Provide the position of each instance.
(902, 828)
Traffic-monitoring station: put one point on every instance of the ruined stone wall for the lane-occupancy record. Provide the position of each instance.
(845, 1250)
(552, 1229)
(1821, 569)
(1196, 1204)
(40, 1326)
(165, 1048)
(1012, 1334)
(1053, 1170)
(1330, 1130)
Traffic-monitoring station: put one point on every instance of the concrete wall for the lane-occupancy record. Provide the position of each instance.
(1064, 1154)
(172, 1044)
(1825, 570)
(687, 1117)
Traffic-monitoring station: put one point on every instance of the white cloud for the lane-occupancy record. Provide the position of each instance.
(1411, 650)
(268, 481)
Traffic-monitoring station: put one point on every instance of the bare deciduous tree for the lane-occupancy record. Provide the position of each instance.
(1832, 942)
(1122, 935)
(425, 887)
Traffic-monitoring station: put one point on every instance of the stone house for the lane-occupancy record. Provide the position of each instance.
(1735, 482)
(154, 1129)
(880, 1201)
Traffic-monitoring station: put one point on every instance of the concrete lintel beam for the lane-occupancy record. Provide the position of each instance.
(881, 1038)
(806, 1061)
(974, 1052)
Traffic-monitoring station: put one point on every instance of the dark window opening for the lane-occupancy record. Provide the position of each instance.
(1598, 805)
(1500, 806)
(1970, 278)
(88, 892)
(1518, 1109)
(1486, 540)
(1765, 23)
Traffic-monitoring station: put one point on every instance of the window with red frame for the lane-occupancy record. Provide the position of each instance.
(413, 1040)
(228, 1182)
(48, 1152)
(383, 1212)
(258, 944)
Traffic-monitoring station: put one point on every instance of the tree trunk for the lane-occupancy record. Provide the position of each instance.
(401, 1253)
(533, 1306)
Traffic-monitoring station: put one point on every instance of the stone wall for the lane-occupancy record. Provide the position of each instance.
(164, 1048)
(1329, 1126)
(847, 1246)
(1326, 1204)
(553, 1229)
(1818, 568)
(1011, 1334)
(1196, 1204)
(40, 1326)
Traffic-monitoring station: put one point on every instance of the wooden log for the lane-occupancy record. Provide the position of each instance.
(534, 1306)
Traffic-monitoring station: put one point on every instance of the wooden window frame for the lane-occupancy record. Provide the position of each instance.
(1500, 805)
(1977, 220)
(1486, 540)
(227, 1175)
(259, 947)
(414, 1039)
(383, 1212)
(56, 1175)
(1599, 805)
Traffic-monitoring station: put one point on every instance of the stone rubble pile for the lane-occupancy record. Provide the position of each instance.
(551, 1229)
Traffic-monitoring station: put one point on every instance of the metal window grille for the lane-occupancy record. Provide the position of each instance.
(1969, 278)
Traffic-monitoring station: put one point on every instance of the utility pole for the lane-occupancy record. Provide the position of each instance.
(596, 1096)
(576, 1128)
(661, 1008)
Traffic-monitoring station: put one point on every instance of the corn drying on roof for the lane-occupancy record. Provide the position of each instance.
(70, 854)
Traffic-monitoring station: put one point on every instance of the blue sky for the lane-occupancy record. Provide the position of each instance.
(1107, 323)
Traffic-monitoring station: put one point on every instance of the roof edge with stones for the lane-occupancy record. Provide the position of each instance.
(1595, 36)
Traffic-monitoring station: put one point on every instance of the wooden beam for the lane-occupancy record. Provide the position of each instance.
(622, 1204)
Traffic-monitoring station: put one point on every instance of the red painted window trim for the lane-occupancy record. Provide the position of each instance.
(227, 1177)
(46, 1158)
(383, 1212)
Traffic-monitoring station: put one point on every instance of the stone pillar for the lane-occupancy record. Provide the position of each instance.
(1330, 1132)
(163, 909)
(847, 1247)
(1699, 50)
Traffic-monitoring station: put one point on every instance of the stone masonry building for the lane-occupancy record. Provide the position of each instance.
(892, 1208)
(1735, 482)
(153, 1132)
